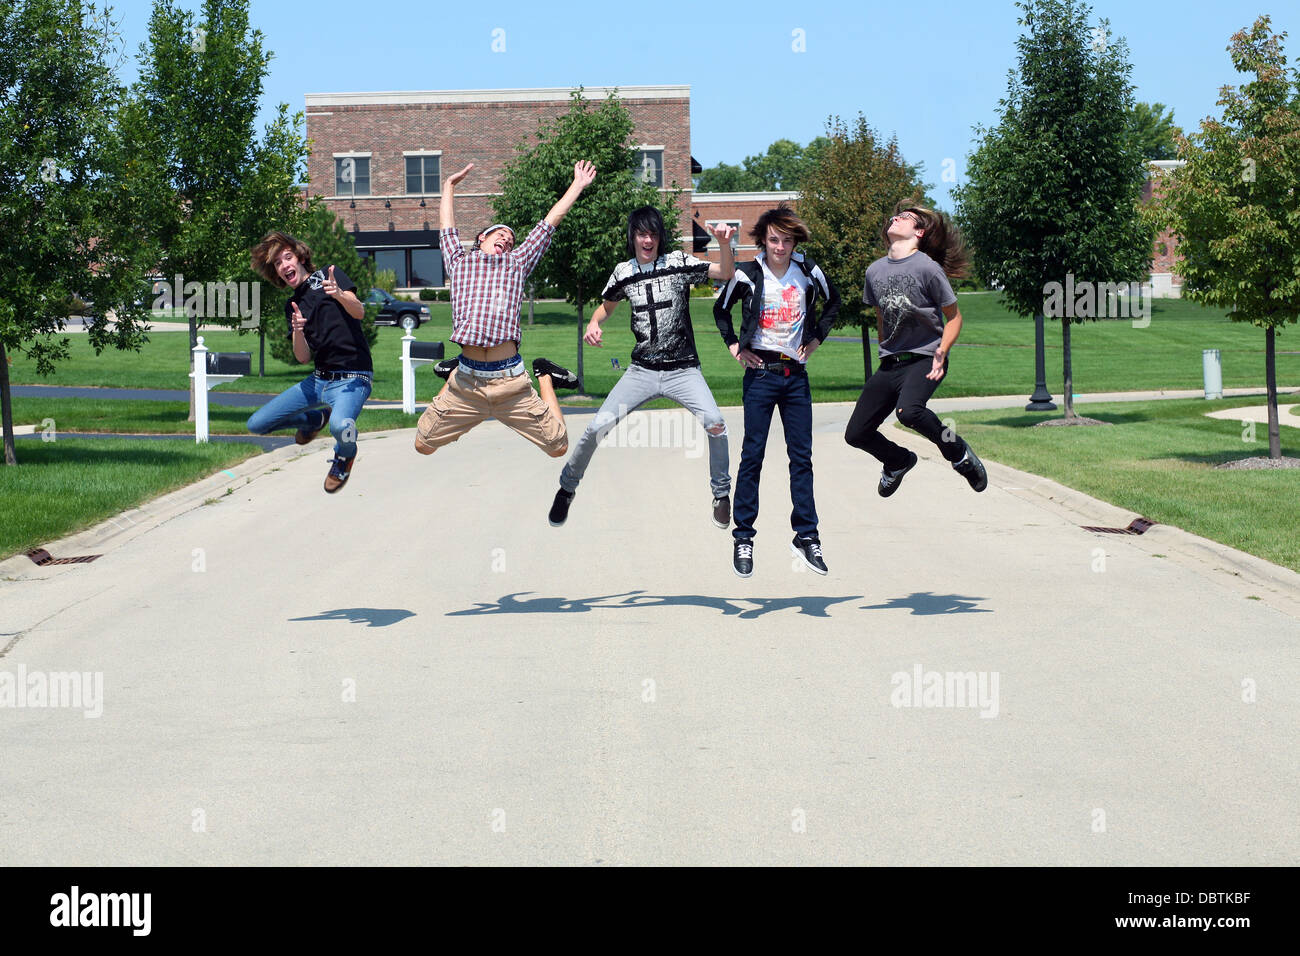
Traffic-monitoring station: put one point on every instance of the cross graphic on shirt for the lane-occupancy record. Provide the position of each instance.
(652, 308)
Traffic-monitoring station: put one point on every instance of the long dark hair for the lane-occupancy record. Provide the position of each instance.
(646, 219)
(941, 240)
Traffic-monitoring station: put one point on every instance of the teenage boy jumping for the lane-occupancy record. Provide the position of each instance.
(487, 379)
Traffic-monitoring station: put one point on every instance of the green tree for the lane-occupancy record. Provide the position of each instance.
(845, 198)
(1156, 133)
(219, 186)
(593, 237)
(1235, 205)
(725, 178)
(331, 245)
(1053, 189)
(63, 183)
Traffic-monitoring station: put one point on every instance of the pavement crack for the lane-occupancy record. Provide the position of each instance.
(4, 652)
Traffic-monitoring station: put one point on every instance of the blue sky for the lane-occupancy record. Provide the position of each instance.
(924, 72)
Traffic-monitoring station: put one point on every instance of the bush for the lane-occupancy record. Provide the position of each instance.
(386, 279)
(428, 295)
(703, 292)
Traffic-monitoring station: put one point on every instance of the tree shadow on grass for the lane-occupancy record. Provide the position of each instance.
(1028, 420)
(812, 606)
(927, 603)
(369, 616)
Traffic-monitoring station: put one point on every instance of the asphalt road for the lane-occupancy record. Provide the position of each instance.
(420, 670)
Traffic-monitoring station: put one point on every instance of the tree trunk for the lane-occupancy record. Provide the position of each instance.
(1270, 378)
(261, 353)
(581, 380)
(1069, 373)
(6, 409)
(194, 341)
(531, 289)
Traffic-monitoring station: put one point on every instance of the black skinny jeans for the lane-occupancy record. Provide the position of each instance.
(900, 384)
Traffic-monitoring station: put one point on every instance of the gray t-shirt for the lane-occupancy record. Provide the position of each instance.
(910, 294)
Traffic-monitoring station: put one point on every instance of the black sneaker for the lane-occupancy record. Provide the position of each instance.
(561, 377)
(890, 480)
(560, 508)
(972, 469)
(340, 471)
(722, 511)
(810, 551)
(444, 368)
(742, 558)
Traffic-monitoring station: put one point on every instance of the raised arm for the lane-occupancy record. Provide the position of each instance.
(446, 214)
(583, 175)
(725, 269)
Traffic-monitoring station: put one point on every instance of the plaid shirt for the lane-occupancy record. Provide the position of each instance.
(486, 290)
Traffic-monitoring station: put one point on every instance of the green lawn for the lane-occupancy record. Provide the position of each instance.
(115, 416)
(1157, 458)
(993, 357)
(67, 485)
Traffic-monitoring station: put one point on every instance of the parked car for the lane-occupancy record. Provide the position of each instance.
(392, 311)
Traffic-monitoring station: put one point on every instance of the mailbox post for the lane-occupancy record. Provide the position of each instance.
(213, 368)
(415, 353)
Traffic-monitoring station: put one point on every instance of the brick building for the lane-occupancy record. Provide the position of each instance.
(1165, 283)
(740, 210)
(378, 159)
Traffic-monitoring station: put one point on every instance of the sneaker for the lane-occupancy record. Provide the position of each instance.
(444, 368)
(810, 551)
(303, 437)
(561, 377)
(340, 469)
(742, 558)
(972, 469)
(890, 480)
(560, 508)
(722, 511)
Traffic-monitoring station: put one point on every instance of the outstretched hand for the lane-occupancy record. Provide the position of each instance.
(457, 177)
(584, 174)
(330, 286)
(296, 320)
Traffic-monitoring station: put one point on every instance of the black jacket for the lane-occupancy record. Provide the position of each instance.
(747, 285)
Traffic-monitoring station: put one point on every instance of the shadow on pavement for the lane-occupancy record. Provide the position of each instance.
(813, 606)
(924, 602)
(369, 616)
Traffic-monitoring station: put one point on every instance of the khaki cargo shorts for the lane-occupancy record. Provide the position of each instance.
(469, 399)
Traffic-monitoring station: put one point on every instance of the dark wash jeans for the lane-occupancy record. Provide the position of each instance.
(900, 384)
(765, 392)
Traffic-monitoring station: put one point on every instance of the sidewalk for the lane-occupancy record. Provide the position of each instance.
(420, 670)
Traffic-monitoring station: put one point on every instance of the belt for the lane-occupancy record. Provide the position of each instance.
(906, 357)
(784, 368)
(340, 376)
(510, 371)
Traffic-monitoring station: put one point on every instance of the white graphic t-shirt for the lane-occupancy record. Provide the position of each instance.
(780, 324)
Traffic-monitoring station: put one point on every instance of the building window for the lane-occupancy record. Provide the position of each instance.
(426, 267)
(649, 166)
(423, 175)
(735, 238)
(351, 175)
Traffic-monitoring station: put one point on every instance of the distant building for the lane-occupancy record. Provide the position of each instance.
(378, 159)
(1165, 283)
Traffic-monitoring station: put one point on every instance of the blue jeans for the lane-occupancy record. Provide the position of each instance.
(304, 406)
(764, 392)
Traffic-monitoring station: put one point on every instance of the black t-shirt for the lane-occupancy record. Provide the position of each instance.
(334, 337)
(660, 296)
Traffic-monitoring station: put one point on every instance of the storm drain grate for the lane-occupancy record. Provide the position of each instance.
(1136, 526)
(42, 558)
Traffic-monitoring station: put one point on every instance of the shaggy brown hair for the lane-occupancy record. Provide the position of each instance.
(784, 219)
(940, 239)
(269, 249)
